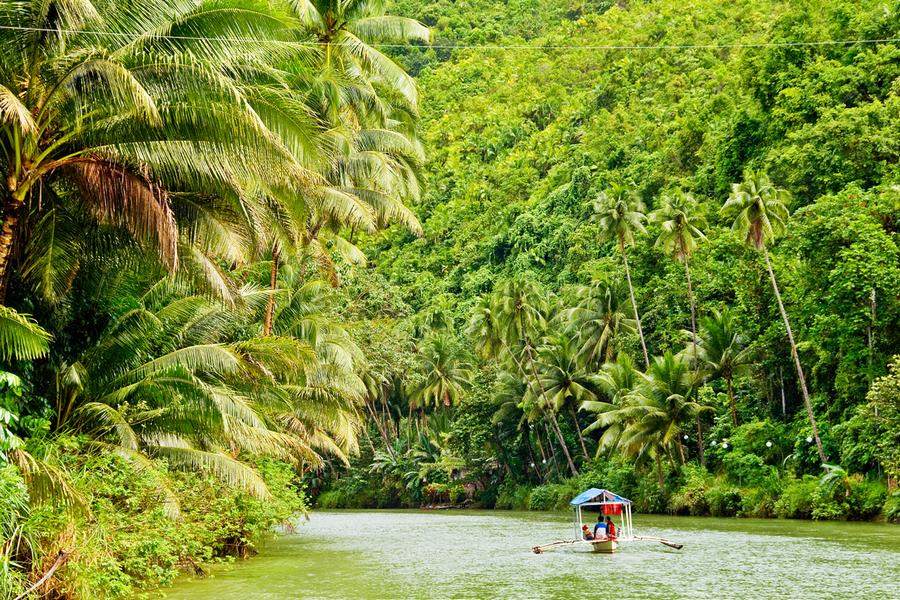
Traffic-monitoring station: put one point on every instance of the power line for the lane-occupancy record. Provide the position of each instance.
(239, 40)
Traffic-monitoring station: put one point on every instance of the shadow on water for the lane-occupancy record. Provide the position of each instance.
(470, 554)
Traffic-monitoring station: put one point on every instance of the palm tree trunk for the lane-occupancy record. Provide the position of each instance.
(584, 451)
(659, 473)
(637, 316)
(731, 400)
(551, 416)
(7, 239)
(796, 355)
(273, 282)
(690, 287)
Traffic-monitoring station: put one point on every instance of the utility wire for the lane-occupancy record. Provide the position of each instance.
(239, 40)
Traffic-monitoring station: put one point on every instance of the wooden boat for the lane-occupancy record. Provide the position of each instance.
(607, 504)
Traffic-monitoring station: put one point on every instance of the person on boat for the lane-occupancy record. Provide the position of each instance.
(610, 529)
(601, 526)
(586, 533)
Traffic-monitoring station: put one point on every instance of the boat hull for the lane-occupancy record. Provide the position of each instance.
(598, 546)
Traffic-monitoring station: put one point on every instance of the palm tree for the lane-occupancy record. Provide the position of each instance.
(656, 412)
(598, 317)
(520, 307)
(680, 235)
(760, 213)
(351, 67)
(620, 214)
(565, 383)
(445, 374)
(617, 380)
(723, 351)
(99, 112)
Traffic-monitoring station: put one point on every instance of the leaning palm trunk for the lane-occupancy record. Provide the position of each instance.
(551, 416)
(796, 355)
(273, 282)
(637, 316)
(578, 430)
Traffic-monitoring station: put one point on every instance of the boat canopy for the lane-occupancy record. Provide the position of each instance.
(598, 496)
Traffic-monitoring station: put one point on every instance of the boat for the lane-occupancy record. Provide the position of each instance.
(607, 503)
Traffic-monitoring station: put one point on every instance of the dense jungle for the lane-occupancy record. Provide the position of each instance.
(263, 257)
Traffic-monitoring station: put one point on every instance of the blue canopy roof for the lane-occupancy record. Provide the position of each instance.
(598, 495)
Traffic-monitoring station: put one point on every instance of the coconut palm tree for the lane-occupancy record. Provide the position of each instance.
(620, 215)
(680, 234)
(444, 373)
(521, 306)
(723, 351)
(760, 214)
(616, 380)
(598, 317)
(350, 68)
(567, 385)
(658, 409)
(100, 112)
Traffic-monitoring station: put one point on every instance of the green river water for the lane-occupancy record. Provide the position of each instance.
(469, 554)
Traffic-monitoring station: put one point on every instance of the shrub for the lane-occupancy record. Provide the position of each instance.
(891, 508)
(543, 497)
(866, 499)
(724, 500)
(796, 501)
(691, 498)
(513, 496)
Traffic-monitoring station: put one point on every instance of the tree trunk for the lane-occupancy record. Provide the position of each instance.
(731, 400)
(273, 283)
(380, 426)
(7, 239)
(659, 473)
(580, 435)
(637, 317)
(690, 287)
(796, 355)
(700, 450)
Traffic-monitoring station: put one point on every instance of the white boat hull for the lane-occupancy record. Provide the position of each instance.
(597, 546)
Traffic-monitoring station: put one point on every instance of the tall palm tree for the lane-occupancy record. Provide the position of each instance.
(680, 235)
(445, 373)
(620, 214)
(598, 317)
(520, 306)
(760, 213)
(723, 351)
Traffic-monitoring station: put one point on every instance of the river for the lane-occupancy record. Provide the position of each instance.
(469, 554)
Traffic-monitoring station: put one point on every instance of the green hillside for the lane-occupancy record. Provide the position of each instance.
(521, 140)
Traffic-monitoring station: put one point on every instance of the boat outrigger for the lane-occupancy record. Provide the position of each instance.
(607, 504)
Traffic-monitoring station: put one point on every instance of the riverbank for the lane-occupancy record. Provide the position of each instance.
(743, 488)
(121, 528)
(487, 554)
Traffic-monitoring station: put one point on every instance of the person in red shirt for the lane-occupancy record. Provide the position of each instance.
(610, 529)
